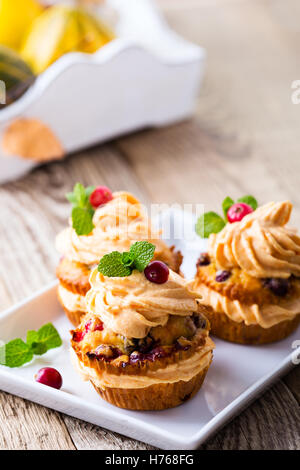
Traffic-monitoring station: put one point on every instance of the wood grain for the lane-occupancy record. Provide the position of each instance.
(27, 426)
(89, 437)
(244, 139)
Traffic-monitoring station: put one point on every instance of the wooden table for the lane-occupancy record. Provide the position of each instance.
(243, 139)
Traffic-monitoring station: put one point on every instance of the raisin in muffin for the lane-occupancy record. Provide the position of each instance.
(117, 225)
(250, 277)
(143, 346)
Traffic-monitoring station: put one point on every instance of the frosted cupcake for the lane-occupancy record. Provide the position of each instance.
(144, 343)
(101, 222)
(250, 277)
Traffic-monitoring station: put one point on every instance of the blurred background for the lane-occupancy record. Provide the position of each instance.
(238, 134)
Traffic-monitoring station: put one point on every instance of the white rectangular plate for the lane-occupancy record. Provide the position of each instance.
(237, 375)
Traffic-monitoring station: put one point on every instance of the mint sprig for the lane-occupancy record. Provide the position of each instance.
(112, 265)
(118, 264)
(208, 223)
(250, 200)
(82, 209)
(226, 204)
(211, 222)
(16, 353)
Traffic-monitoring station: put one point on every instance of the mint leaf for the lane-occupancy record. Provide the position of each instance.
(118, 264)
(33, 341)
(208, 223)
(111, 265)
(226, 204)
(89, 190)
(143, 253)
(127, 259)
(44, 339)
(32, 337)
(71, 198)
(80, 195)
(250, 200)
(82, 220)
(48, 337)
(16, 353)
(82, 210)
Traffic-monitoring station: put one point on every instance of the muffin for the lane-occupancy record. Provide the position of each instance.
(250, 277)
(117, 225)
(142, 345)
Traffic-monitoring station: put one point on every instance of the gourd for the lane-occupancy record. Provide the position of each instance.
(16, 17)
(59, 30)
(16, 75)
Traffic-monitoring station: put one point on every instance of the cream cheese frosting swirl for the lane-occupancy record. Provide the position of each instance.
(261, 244)
(118, 224)
(132, 305)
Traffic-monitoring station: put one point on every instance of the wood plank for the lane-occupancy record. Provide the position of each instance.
(89, 437)
(292, 381)
(27, 426)
(245, 133)
(272, 422)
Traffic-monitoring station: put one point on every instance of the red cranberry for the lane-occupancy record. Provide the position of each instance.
(222, 276)
(203, 260)
(156, 353)
(100, 195)
(88, 325)
(157, 272)
(238, 211)
(199, 321)
(98, 327)
(278, 286)
(78, 336)
(49, 376)
(136, 357)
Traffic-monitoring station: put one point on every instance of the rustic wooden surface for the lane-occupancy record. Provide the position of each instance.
(244, 139)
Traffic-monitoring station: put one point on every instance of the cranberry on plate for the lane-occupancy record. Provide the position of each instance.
(50, 377)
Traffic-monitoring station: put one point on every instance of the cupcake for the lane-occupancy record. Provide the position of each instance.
(144, 343)
(101, 222)
(250, 277)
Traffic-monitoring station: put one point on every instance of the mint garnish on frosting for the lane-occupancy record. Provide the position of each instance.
(211, 222)
(118, 264)
(82, 209)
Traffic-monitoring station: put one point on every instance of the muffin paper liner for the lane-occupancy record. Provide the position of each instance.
(223, 327)
(74, 317)
(155, 397)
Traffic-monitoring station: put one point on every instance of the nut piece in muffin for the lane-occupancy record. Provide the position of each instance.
(118, 220)
(250, 277)
(143, 344)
